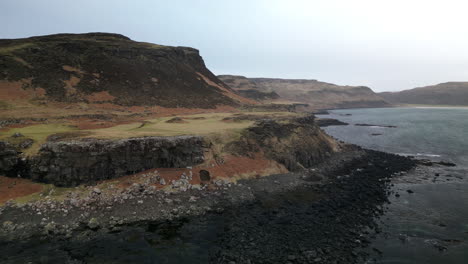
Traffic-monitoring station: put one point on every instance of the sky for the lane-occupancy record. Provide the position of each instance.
(386, 45)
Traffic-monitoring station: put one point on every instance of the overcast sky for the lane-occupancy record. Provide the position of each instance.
(386, 45)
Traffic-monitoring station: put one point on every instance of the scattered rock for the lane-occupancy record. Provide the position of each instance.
(204, 175)
(97, 191)
(17, 135)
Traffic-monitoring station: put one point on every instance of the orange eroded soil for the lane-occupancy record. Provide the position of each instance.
(11, 188)
(103, 96)
(234, 167)
(15, 91)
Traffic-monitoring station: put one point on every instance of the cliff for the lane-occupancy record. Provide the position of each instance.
(450, 93)
(319, 95)
(296, 144)
(287, 143)
(108, 68)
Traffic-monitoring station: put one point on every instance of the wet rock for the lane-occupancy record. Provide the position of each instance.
(93, 224)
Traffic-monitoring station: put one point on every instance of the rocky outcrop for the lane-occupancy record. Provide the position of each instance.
(297, 144)
(450, 93)
(8, 158)
(325, 122)
(72, 163)
(86, 161)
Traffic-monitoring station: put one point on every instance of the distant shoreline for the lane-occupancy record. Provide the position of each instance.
(408, 106)
(433, 106)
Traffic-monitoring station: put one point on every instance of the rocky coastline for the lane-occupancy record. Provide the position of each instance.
(334, 203)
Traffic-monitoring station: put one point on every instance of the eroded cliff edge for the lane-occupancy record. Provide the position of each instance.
(291, 143)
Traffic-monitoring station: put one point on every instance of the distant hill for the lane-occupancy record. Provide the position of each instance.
(450, 93)
(248, 88)
(109, 68)
(319, 95)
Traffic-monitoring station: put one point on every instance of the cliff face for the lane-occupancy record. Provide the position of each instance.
(319, 95)
(8, 159)
(109, 68)
(451, 93)
(296, 144)
(76, 162)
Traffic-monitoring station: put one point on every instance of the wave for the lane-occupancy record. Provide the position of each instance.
(420, 155)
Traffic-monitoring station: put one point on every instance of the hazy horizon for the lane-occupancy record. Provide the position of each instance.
(387, 46)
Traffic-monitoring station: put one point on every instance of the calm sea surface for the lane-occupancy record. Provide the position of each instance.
(429, 225)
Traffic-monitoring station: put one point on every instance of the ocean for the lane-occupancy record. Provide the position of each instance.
(427, 222)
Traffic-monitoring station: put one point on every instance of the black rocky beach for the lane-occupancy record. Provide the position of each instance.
(325, 214)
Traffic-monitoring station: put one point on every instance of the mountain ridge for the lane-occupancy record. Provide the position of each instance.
(448, 93)
(319, 95)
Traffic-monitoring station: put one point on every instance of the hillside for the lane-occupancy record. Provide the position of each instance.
(450, 93)
(319, 95)
(108, 68)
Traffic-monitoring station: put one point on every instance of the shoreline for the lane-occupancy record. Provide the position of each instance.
(357, 179)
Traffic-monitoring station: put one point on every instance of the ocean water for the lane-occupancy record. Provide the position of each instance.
(430, 224)
(437, 133)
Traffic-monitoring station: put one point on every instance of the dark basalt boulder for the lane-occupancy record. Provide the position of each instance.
(9, 158)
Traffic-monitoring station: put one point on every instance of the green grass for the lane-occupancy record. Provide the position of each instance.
(38, 133)
(158, 127)
(210, 124)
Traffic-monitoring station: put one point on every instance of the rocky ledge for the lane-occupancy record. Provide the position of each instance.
(325, 122)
